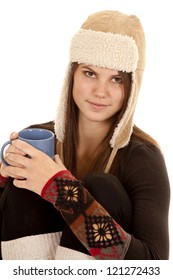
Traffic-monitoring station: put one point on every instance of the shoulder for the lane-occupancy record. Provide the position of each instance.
(139, 146)
(142, 162)
(139, 152)
(139, 157)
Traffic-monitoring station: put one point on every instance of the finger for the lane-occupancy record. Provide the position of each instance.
(59, 162)
(57, 159)
(19, 183)
(16, 160)
(11, 149)
(13, 135)
(23, 184)
(26, 148)
(15, 172)
(14, 150)
(2, 170)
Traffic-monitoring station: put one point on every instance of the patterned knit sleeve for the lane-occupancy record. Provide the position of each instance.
(90, 222)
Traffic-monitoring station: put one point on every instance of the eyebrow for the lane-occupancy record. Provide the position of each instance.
(87, 67)
(90, 69)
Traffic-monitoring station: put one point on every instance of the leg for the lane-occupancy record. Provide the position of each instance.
(30, 226)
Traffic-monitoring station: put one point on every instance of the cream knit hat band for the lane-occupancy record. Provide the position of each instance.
(101, 49)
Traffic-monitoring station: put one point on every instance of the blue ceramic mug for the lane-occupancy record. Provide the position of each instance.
(42, 139)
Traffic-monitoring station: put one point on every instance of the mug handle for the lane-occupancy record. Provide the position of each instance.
(2, 152)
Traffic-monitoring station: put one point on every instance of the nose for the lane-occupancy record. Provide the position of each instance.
(100, 89)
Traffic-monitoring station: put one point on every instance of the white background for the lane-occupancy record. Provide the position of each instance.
(34, 44)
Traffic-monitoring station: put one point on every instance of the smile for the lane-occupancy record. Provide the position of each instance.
(97, 106)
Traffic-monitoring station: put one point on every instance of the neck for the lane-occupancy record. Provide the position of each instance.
(90, 136)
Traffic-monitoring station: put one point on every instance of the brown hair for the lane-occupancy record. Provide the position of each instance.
(103, 150)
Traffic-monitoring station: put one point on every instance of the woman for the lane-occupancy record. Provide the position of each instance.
(106, 194)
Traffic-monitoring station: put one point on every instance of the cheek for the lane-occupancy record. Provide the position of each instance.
(75, 90)
(119, 97)
(79, 90)
(75, 93)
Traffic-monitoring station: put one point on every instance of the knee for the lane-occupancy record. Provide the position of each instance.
(110, 193)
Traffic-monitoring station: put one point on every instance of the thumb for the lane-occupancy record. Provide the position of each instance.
(57, 159)
(59, 162)
(13, 135)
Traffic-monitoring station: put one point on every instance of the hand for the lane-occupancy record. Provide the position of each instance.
(10, 149)
(36, 169)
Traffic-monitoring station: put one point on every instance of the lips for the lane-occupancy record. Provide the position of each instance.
(97, 106)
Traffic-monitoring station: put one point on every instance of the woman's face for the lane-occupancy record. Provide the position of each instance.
(97, 92)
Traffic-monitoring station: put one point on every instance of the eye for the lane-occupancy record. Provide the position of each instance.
(117, 80)
(89, 74)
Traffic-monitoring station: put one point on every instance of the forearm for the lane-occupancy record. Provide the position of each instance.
(90, 222)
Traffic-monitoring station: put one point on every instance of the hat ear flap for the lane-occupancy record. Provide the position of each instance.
(60, 119)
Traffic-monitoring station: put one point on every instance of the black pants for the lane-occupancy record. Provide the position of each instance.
(110, 193)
